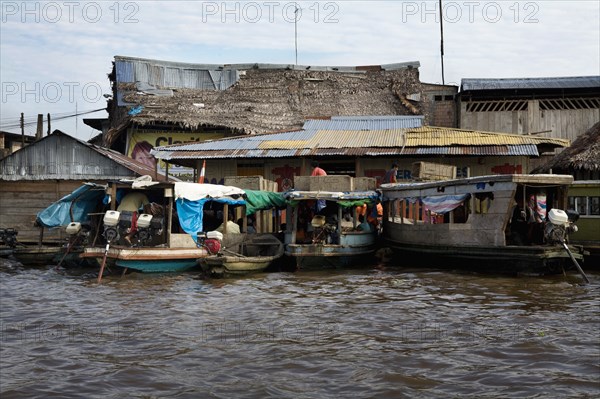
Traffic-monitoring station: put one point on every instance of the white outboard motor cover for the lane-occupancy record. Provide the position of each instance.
(73, 228)
(111, 218)
(558, 217)
(217, 235)
(144, 220)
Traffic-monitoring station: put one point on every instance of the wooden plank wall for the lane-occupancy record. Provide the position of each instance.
(565, 124)
(21, 201)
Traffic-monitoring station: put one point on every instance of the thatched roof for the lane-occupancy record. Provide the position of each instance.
(583, 154)
(267, 99)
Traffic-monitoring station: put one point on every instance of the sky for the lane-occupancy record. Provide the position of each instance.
(55, 55)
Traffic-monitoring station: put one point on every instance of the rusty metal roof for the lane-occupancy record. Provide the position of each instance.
(425, 140)
(507, 150)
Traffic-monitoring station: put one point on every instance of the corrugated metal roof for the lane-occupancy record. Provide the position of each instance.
(512, 150)
(439, 136)
(246, 66)
(60, 156)
(419, 141)
(364, 123)
(574, 82)
(156, 73)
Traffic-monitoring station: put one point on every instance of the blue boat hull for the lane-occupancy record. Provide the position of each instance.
(158, 266)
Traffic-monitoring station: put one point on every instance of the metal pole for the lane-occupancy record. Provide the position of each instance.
(442, 40)
(296, 32)
(587, 281)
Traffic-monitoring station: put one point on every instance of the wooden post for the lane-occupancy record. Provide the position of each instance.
(339, 225)
(22, 130)
(294, 213)
(49, 128)
(169, 221)
(225, 217)
(113, 195)
(40, 127)
(244, 220)
(277, 221)
(354, 217)
(166, 170)
(259, 223)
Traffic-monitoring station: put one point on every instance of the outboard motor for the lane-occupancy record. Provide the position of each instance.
(148, 226)
(210, 240)
(9, 237)
(559, 225)
(324, 229)
(111, 225)
(77, 230)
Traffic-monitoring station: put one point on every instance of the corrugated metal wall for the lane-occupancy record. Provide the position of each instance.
(57, 157)
(173, 75)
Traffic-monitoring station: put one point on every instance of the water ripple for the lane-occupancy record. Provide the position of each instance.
(359, 333)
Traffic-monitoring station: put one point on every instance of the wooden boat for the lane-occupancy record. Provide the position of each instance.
(333, 241)
(167, 239)
(475, 223)
(244, 253)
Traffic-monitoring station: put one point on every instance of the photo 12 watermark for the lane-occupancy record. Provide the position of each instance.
(50, 92)
(526, 12)
(54, 12)
(23, 333)
(270, 11)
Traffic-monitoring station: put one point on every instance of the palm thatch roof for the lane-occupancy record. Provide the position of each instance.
(583, 154)
(262, 98)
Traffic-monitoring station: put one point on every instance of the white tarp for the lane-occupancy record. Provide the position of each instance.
(196, 191)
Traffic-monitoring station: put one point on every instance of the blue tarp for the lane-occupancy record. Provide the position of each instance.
(80, 202)
(190, 212)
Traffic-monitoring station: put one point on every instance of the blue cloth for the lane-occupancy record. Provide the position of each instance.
(80, 202)
(191, 213)
(135, 110)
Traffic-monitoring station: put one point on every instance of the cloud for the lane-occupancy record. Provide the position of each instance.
(481, 39)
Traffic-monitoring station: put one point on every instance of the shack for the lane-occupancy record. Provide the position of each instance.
(361, 147)
(157, 103)
(43, 172)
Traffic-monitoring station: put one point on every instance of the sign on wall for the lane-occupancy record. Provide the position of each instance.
(141, 142)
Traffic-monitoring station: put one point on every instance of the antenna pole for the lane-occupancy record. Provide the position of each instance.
(442, 40)
(296, 31)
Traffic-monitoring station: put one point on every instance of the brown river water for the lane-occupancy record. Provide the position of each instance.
(378, 331)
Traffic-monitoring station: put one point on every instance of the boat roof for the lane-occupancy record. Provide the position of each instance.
(541, 179)
(331, 195)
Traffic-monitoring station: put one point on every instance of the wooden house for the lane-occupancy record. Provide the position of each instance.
(561, 107)
(163, 103)
(361, 147)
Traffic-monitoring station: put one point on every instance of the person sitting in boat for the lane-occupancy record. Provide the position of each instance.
(364, 225)
(133, 202)
(232, 227)
(519, 223)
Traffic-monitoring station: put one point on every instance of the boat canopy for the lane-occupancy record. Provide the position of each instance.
(191, 197)
(345, 199)
(73, 207)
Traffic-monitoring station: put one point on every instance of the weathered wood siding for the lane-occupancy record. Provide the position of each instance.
(562, 123)
(479, 230)
(21, 201)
